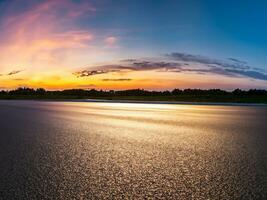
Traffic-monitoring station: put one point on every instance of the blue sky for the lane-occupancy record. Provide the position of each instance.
(213, 28)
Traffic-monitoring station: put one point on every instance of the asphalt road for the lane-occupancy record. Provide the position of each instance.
(94, 150)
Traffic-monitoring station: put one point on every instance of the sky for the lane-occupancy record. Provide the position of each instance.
(120, 44)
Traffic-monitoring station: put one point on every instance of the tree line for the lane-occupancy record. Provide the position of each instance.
(133, 92)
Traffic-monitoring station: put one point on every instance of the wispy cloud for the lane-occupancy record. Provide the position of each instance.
(116, 79)
(223, 67)
(111, 40)
(43, 32)
(12, 73)
(180, 63)
(189, 58)
(137, 65)
(19, 79)
(237, 61)
(84, 73)
(84, 86)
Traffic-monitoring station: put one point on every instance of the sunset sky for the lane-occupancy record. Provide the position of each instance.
(120, 44)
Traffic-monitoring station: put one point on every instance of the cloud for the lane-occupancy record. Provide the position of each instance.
(237, 61)
(140, 65)
(110, 41)
(180, 63)
(118, 79)
(86, 86)
(43, 32)
(150, 65)
(234, 68)
(19, 79)
(189, 58)
(12, 73)
(89, 73)
(251, 74)
(129, 60)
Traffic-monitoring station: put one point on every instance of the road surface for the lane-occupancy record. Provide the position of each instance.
(94, 150)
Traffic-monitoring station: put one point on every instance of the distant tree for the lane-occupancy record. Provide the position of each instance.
(40, 91)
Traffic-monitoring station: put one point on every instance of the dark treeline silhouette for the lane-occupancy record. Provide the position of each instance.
(196, 95)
